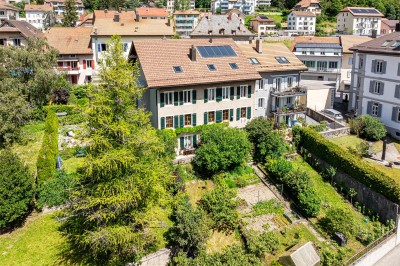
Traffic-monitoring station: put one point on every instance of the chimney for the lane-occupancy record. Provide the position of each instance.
(116, 17)
(105, 11)
(398, 27)
(169, 22)
(137, 17)
(210, 40)
(193, 53)
(259, 46)
(119, 9)
(229, 16)
(374, 33)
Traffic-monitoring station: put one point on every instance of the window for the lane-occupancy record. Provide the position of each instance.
(125, 46)
(350, 60)
(2, 13)
(211, 117)
(361, 63)
(243, 112)
(101, 47)
(333, 64)
(169, 98)
(396, 44)
(169, 122)
(303, 52)
(260, 102)
(290, 82)
(188, 141)
(187, 96)
(379, 66)
(282, 60)
(72, 56)
(386, 43)
(177, 69)
(225, 93)
(233, 65)
(17, 42)
(322, 53)
(211, 67)
(188, 120)
(2, 42)
(310, 64)
(243, 91)
(89, 63)
(312, 52)
(211, 94)
(374, 109)
(254, 61)
(398, 114)
(377, 87)
(225, 115)
(349, 74)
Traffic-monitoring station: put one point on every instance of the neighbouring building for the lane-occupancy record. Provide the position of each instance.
(191, 82)
(263, 3)
(40, 16)
(85, 21)
(75, 57)
(17, 1)
(151, 13)
(347, 41)
(237, 13)
(16, 33)
(186, 21)
(263, 25)
(59, 7)
(244, 6)
(388, 25)
(312, 6)
(375, 86)
(277, 93)
(358, 20)
(301, 22)
(222, 26)
(171, 7)
(8, 12)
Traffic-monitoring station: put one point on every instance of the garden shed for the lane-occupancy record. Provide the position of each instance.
(301, 255)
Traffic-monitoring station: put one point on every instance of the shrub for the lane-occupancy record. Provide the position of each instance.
(16, 189)
(72, 119)
(339, 220)
(168, 139)
(46, 162)
(60, 96)
(360, 150)
(368, 127)
(267, 242)
(309, 202)
(319, 127)
(58, 108)
(81, 91)
(267, 207)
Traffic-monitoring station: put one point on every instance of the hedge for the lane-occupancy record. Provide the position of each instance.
(58, 108)
(195, 129)
(47, 159)
(343, 160)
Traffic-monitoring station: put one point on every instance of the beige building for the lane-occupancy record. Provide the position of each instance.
(8, 12)
(358, 20)
(312, 6)
(388, 25)
(16, 33)
(191, 82)
(186, 21)
(263, 25)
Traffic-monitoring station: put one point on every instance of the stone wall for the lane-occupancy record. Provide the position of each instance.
(335, 133)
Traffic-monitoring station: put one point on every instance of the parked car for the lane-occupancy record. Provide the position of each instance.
(333, 113)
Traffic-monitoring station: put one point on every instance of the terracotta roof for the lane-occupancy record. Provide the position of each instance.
(26, 29)
(44, 8)
(152, 12)
(215, 23)
(349, 41)
(70, 40)
(307, 3)
(367, 12)
(262, 18)
(158, 57)
(127, 26)
(383, 44)
(267, 60)
(6, 6)
(303, 14)
(391, 23)
(78, 2)
(187, 12)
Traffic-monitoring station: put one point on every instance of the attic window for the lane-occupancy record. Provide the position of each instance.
(396, 44)
(282, 60)
(386, 43)
(211, 67)
(210, 32)
(254, 61)
(177, 69)
(233, 65)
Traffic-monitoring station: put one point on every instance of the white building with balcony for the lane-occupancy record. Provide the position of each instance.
(244, 6)
(59, 8)
(375, 83)
(40, 16)
(185, 22)
(8, 12)
(301, 22)
(172, 5)
(358, 20)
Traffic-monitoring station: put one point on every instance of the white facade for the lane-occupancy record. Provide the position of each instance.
(171, 5)
(346, 22)
(8, 14)
(260, 3)
(185, 22)
(244, 6)
(77, 68)
(304, 24)
(39, 19)
(59, 7)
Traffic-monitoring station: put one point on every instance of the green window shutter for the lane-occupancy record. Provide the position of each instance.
(182, 141)
(232, 93)
(176, 98)
(237, 113)
(205, 95)
(249, 91)
(248, 113)
(194, 92)
(231, 114)
(176, 121)
(162, 101)
(194, 140)
(218, 116)
(205, 118)
(194, 120)
(238, 92)
(181, 98)
(219, 94)
(181, 122)
(162, 122)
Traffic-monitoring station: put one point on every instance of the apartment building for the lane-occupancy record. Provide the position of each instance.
(358, 20)
(8, 12)
(75, 58)
(313, 6)
(186, 21)
(17, 1)
(277, 93)
(375, 87)
(191, 82)
(16, 33)
(263, 3)
(263, 25)
(244, 6)
(388, 25)
(40, 16)
(59, 7)
(172, 5)
(302, 22)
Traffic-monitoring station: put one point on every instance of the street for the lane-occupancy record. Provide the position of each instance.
(391, 259)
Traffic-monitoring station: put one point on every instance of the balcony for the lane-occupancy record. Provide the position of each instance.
(69, 70)
(289, 110)
(290, 92)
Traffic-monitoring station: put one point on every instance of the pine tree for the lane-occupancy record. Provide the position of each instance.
(70, 14)
(124, 176)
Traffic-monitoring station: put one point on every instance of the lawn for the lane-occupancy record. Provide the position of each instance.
(352, 141)
(71, 164)
(277, 16)
(197, 188)
(393, 173)
(37, 243)
(220, 240)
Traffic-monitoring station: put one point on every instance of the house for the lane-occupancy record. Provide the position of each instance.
(300, 255)
(313, 6)
(263, 25)
(244, 6)
(151, 13)
(8, 12)
(222, 26)
(85, 21)
(186, 21)
(375, 82)
(237, 13)
(301, 22)
(358, 20)
(263, 3)
(192, 82)
(16, 33)
(388, 25)
(172, 5)
(40, 16)
(17, 1)
(59, 7)
(348, 41)
(277, 93)
(75, 58)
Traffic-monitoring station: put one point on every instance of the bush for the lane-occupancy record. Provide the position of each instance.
(222, 149)
(168, 139)
(60, 96)
(319, 127)
(360, 150)
(348, 163)
(57, 108)
(309, 202)
(240, 177)
(267, 207)
(267, 242)
(81, 91)
(368, 127)
(339, 220)
(46, 162)
(16, 189)
(72, 119)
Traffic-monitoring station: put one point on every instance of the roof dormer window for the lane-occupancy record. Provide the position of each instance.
(386, 43)
(211, 67)
(233, 65)
(396, 44)
(177, 69)
(282, 60)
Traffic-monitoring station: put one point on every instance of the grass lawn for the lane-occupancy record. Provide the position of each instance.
(37, 243)
(219, 240)
(393, 173)
(197, 188)
(352, 140)
(277, 16)
(328, 27)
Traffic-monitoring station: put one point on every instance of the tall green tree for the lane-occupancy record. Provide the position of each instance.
(124, 176)
(70, 14)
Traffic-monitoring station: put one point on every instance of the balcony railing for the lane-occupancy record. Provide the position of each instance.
(288, 110)
(295, 91)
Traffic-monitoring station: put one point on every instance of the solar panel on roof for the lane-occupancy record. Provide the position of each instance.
(364, 11)
(216, 51)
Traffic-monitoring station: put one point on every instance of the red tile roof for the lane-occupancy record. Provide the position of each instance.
(152, 12)
(70, 40)
(44, 8)
(304, 14)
